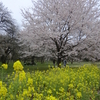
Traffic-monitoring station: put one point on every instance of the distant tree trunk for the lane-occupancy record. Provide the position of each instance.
(5, 56)
(54, 61)
(32, 61)
(42, 60)
(58, 62)
(3, 59)
(71, 61)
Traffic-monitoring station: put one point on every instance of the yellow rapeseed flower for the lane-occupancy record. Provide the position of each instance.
(50, 98)
(79, 95)
(18, 66)
(61, 89)
(25, 92)
(30, 81)
(68, 94)
(5, 66)
(60, 65)
(3, 91)
(22, 98)
(70, 86)
(11, 97)
(0, 83)
(49, 91)
(22, 76)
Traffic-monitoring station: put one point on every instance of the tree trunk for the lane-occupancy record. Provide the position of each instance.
(3, 59)
(42, 60)
(72, 61)
(59, 62)
(32, 61)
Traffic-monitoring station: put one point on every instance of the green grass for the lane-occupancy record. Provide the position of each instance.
(79, 64)
(44, 66)
(38, 66)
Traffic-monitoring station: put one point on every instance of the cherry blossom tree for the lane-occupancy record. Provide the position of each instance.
(58, 28)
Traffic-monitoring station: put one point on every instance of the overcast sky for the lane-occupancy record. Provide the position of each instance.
(15, 5)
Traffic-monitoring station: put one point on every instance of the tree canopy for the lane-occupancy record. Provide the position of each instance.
(60, 28)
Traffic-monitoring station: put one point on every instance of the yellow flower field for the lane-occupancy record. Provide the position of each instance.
(82, 83)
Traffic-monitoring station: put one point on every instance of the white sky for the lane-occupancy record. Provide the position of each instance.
(15, 5)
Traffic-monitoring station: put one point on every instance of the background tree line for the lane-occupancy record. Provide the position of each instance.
(8, 34)
(54, 29)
